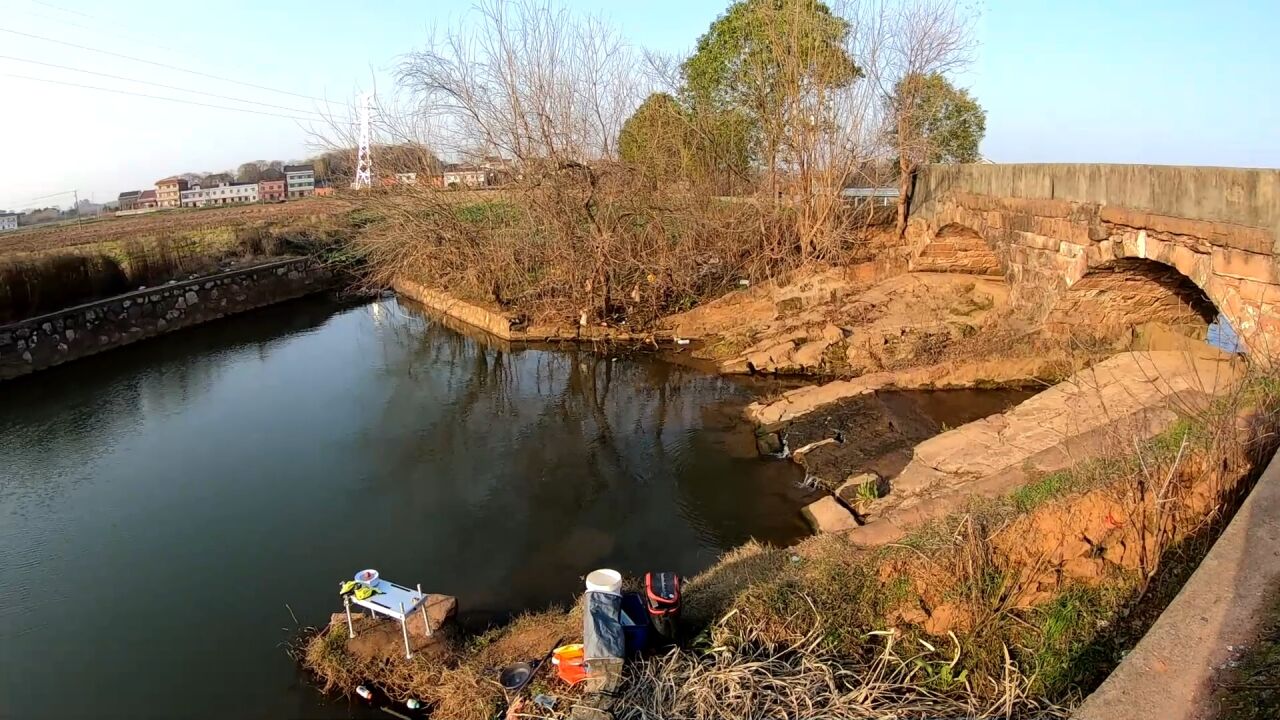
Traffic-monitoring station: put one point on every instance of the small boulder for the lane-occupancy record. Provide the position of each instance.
(769, 443)
(829, 516)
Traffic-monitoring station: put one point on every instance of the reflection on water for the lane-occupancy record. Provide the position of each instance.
(161, 504)
(1223, 336)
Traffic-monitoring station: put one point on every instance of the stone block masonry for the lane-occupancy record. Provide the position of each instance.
(1051, 229)
(48, 340)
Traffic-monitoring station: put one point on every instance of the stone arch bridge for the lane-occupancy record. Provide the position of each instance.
(1100, 245)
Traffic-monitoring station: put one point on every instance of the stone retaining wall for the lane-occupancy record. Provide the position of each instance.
(77, 332)
(511, 329)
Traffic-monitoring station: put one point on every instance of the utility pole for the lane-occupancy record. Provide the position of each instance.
(76, 195)
(364, 161)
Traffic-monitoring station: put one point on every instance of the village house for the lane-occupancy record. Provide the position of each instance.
(128, 200)
(271, 191)
(193, 196)
(8, 221)
(300, 179)
(220, 189)
(169, 192)
(220, 194)
(469, 176)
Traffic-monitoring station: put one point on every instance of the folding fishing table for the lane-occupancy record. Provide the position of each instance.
(394, 601)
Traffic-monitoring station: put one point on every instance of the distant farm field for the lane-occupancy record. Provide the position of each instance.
(187, 223)
(46, 268)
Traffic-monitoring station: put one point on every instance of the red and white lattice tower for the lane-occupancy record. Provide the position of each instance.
(364, 161)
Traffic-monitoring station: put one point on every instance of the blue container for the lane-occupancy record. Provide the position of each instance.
(635, 623)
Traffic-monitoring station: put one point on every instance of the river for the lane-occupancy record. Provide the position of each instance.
(169, 508)
(173, 512)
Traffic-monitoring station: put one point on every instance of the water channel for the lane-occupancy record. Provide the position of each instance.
(172, 511)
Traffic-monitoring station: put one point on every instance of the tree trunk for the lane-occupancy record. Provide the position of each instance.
(906, 174)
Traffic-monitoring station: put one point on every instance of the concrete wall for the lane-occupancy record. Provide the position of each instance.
(84, 330)
(1230, 195)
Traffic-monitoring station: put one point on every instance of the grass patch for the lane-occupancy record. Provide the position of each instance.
(1042, 490)
(1164, 447)
(488, 213)
(1069, 659)
(1251, 689)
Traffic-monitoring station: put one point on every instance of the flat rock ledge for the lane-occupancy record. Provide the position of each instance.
(796, 403)
(1131, 396)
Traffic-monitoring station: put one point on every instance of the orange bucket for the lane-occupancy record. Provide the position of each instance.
(570, 663)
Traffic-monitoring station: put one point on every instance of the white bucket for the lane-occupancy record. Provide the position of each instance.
(605, 581)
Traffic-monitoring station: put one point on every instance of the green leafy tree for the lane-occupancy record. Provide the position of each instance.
(657, 139)
(669, 142)
(773, 61)
(933, 122)
(936, 122)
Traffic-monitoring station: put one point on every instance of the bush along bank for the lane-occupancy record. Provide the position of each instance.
(1017, 607)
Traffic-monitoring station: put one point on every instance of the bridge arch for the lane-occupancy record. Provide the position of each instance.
(957, 248)
(1115, 296)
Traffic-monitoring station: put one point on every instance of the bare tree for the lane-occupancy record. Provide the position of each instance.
(529, 82)
(542, 94)
(927, 37)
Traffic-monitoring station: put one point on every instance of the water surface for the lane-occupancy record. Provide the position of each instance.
(169, 508)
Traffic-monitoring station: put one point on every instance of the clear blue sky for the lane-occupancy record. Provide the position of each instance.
(1175, 82)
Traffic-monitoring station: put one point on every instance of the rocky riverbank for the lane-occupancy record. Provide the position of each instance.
(882, 490)
(916, 504)
(1021, 602)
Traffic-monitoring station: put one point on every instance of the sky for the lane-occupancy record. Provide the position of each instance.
(1124, 81)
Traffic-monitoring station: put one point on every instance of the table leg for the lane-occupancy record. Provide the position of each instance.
(346, 604)
(426, 623)
(404, 628)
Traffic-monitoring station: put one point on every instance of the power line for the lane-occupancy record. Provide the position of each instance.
(133, 37)
(51, 195)
(167, 87)
(163, 65)
(65, 10)
(157, 97)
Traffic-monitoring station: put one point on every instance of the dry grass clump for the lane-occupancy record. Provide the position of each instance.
(592, 242)
(33, 284)
(748, 673)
